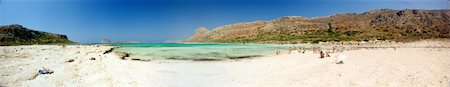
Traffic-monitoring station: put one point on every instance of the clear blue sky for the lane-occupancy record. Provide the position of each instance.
(161, 20)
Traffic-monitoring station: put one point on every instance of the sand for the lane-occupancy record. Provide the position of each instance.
(405, 67)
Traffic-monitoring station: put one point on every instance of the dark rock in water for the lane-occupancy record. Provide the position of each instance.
(193, 59)
(18, 35)
(179, 58)
(206, 59)
(243, 57)
(108, 51)
(216, 53)
(134, 59)
(122, 55)
(210, 54)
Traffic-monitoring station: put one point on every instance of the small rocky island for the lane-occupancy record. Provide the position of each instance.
(18, 35)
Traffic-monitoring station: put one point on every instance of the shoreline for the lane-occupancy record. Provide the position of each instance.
(326, 47)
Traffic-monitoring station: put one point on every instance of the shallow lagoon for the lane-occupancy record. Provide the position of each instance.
(181, 51)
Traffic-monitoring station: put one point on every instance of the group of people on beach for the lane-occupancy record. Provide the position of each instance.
(296, 50)
(339, 57)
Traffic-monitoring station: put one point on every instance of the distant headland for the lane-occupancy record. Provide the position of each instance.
(18, 35)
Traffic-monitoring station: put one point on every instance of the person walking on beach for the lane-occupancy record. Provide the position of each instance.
(289, 50)
(302, 50)
(278, 52)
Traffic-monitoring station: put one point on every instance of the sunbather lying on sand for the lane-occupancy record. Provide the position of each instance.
(45, 71)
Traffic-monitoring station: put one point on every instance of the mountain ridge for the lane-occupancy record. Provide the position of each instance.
(381, 24)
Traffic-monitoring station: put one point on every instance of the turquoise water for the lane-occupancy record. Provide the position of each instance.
(180, 51)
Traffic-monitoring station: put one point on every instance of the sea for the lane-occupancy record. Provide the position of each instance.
(198, 51)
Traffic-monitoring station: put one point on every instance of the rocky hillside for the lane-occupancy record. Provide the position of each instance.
(19, 35)
(383, 24)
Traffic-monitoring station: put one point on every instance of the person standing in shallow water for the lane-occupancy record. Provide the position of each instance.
(290, 50)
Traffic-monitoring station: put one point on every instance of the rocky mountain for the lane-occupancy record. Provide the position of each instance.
(18, 35)
(383, 24)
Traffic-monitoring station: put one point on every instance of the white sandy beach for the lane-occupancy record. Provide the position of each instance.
(404, 67)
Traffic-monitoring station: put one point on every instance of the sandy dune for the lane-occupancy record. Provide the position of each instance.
(405, 67)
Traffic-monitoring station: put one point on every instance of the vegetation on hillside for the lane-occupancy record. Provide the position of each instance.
(18, 35)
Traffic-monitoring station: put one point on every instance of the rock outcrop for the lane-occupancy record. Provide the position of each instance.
(18, 35)
(383, 24)
(122, 55)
